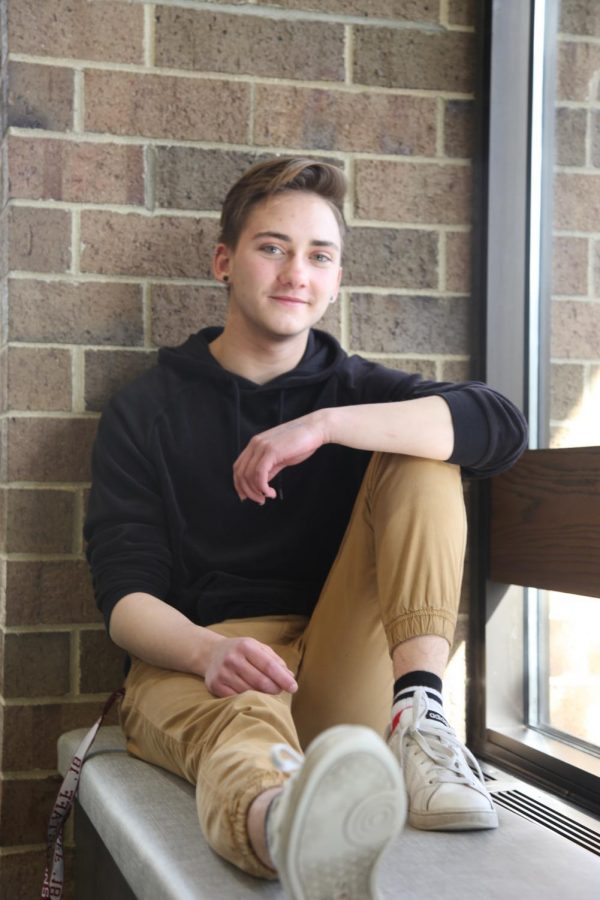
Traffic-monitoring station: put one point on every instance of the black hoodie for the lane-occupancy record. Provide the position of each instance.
(164, 517)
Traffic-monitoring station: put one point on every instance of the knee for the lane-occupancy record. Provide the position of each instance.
(414, 476)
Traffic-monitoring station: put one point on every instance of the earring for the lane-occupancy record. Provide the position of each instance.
(225, 279)
(332, 298)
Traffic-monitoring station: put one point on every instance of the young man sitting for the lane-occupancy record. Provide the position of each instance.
(276, 533)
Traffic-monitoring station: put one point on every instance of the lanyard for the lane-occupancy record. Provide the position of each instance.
(54, 873)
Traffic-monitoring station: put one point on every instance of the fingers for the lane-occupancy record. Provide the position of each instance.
(252, 472)
(244, 664)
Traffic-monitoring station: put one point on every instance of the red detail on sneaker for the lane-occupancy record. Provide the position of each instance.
(396, 719)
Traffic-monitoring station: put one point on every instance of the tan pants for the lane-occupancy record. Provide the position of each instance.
(397, 575)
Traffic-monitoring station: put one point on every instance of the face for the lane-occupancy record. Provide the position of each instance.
(286, 267)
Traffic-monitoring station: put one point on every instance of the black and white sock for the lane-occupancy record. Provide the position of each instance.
(404, 690)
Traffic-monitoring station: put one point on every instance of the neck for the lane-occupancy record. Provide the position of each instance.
(258, 359)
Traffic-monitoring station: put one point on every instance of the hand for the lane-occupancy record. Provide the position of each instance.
(271, 451)
(244, 664)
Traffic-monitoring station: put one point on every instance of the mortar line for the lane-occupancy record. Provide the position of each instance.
(149, 35)
(78, 102)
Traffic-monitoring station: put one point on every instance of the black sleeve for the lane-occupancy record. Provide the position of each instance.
(127, 541)
(490, 433)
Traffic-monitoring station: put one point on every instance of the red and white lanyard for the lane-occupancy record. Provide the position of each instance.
(54, 874)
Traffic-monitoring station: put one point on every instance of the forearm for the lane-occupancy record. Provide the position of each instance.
(420, 427)
(159, 634)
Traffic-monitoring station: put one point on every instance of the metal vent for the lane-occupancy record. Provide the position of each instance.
(532, 809)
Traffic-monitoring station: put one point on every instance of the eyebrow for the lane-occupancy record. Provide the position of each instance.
(285, 237)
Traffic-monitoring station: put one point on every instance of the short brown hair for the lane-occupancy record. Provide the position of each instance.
(275, 176)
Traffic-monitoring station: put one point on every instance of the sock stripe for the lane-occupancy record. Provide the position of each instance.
(410, 692)
(419, 678)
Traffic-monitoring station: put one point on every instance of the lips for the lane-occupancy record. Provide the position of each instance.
(283, 298)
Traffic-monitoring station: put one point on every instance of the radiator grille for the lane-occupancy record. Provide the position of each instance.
(532, 809)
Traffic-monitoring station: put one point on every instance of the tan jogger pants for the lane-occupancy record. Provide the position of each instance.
(397, 575)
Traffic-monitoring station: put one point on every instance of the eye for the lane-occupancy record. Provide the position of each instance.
(322, 258)
(271, 249)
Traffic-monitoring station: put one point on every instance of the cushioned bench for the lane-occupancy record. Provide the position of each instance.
(138, 838)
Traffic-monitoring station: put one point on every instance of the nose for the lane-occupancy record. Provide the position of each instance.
(294, 272)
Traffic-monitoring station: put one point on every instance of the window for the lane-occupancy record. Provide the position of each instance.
(536, 647)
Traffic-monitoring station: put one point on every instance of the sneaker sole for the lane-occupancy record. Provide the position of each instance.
(350, 804)
(454, 821)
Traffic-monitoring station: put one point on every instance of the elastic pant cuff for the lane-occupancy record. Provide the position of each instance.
(420, 623)
(246, 857)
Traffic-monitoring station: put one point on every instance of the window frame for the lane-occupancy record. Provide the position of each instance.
(512, 326)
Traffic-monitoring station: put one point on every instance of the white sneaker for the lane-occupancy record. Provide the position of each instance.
(445, 784)
(338, 812)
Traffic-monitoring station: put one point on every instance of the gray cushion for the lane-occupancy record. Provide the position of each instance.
(147, 820)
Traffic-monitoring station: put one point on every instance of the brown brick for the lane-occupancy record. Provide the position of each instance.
(578, 64)
(414, 365)
(26, 807)
(50, 449)
(458, 262)
(456, 370)
(576, 201)
(39, 96)
(39, 240)
(31, 732)
(566, 389)
(75, 313)
(344, 120)
(192, 178)
(399, 324)
(3, 379)
(166, 106)
(570, 134)
(106, 371)
(3, 504)
(37, 665)
(407, 10)
(458, 129)
(39, 378)
(101, 663)
(462, 12)
(116, 244)
(411, 192)
(570, 265)
(249, 45)
(181, 310)
(53, 592)
(575, 329)
(402, 58)
(21, 872)
(580, 17)
(332, 321)
(390, 257)
(65, 170)
(77, 29)
(39, 521)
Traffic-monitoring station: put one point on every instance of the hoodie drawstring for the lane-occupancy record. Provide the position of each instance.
(279, 478)
(237, 414)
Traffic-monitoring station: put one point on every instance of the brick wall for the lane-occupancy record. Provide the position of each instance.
(123, 124)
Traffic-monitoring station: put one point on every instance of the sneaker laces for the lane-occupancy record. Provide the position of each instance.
(285, 758)
(445, 757)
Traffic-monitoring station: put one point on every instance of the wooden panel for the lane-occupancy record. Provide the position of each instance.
(545, 521)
